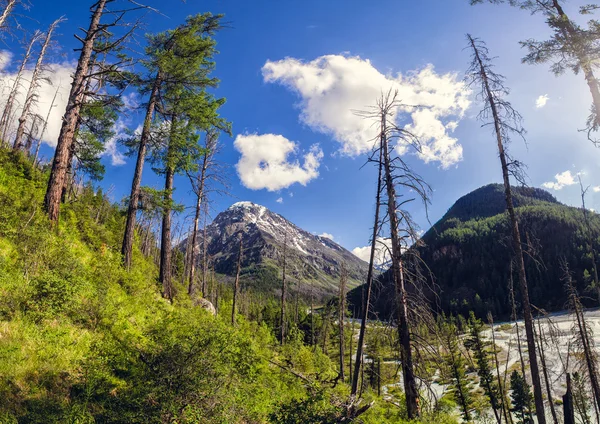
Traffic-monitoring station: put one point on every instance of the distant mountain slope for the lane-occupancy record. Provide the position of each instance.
(311, 259)
(468, 253)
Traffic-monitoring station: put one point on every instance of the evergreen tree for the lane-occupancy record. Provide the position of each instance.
(522, 398)
(483, 359)
(455, 368)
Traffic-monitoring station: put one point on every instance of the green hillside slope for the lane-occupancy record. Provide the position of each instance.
(82, 340)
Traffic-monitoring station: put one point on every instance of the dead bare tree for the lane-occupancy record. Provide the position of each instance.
(583, 332)
(34, 83)
(283, 290)
(589, 238)
(236, 284)
(369, 284)
(198, 186)
(8, 8)
(397, 174)
(9, 106)
(342, 317)
(505, 120)
(540, 344)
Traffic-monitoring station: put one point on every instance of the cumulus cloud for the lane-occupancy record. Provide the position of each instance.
(596, 189)
(382, 255)
(59, 77)
(327, 236)
(333, 87)
(111, 149)
(563, 179)
(541, 101)
(280, 200)
(266, 162)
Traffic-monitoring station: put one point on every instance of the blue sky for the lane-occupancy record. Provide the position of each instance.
(395, 37)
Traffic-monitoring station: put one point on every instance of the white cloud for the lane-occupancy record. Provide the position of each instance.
(541, 101)
(265, 162)
(327, 236)
(596, 189)
(280, 200)
(562, 180)
(382, 255)
(130, 101)
(333, 87)
(110, 147)
(59, 75)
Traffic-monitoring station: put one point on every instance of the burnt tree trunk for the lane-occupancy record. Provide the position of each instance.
(517, 246)
(410, 384)
(369, 284)
(6, 13)
(9, 106)
(67, 132)
(33, 85)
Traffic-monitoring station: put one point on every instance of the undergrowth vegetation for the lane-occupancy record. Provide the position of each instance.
(82, 340)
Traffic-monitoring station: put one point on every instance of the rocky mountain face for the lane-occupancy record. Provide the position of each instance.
(468, 254)
(312, 261)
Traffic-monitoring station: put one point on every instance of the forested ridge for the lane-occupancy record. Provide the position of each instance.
(469, 265)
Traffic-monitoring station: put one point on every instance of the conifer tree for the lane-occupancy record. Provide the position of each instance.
(505, 120)
(522, 399)
(482, 355)
(571, 46)
(455, 367)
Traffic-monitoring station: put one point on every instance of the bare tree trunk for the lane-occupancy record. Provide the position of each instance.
(283, 290)
(351, 347)
(369, 284)
(34, 85)
(41, 138)
(569, 411)
(200, 198)
(67, 131)
(236, 285)
(505, 411)
(342, 317)
(583, 329)
(134, 197)
(204, 257)
(540, 339)
(9, 107)
(589, 238)
(527, 315)
(410, 385)
(6, 13)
